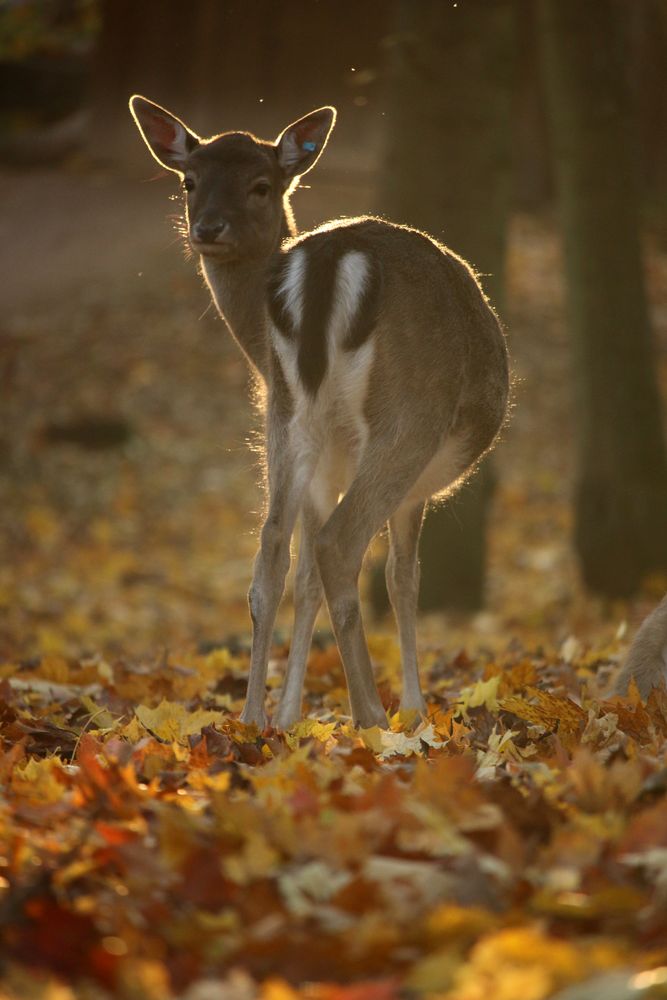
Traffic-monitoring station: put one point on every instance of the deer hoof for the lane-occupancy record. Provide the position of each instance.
(371, 717)
(285, 718)
(252, 717)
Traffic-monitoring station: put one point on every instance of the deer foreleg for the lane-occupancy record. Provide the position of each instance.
(286, 490)
(307, 601)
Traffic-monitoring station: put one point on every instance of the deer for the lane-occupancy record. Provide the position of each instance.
(385, 379)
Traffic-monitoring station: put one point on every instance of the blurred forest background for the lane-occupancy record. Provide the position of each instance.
(528, 135)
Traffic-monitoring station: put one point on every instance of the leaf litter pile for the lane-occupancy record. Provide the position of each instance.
(510, 845)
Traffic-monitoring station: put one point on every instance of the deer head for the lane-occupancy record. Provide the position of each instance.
(236, 186)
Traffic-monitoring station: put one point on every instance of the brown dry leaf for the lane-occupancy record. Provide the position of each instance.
(656, 706)
(556, 714)
(10, 759)
(635, 721)
(517, 677)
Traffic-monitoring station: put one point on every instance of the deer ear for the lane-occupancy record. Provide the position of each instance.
(168, 139)
(300, 145)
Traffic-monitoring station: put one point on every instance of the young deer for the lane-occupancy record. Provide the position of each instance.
(386, 381)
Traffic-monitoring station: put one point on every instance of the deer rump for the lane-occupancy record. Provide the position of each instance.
(338, 304)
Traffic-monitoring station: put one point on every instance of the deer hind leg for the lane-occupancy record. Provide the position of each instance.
(402, 575)
(307, 602)
(383, 480)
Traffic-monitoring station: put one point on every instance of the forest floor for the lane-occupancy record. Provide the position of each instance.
(156, 847)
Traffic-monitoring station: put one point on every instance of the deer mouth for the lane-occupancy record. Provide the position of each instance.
(221, 249)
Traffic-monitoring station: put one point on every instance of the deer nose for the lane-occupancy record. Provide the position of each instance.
(206, 232)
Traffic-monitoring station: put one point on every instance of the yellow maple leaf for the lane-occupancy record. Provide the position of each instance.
(404, 719)
(201, 780)
(171, 722)
(482, 693)
(313, 728)
(132, 730)
(372, 738)
(38, 781)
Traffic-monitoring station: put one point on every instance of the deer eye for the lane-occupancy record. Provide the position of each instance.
(188, 184)
(261, 189)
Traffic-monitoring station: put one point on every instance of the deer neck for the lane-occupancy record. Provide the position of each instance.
(238, 290)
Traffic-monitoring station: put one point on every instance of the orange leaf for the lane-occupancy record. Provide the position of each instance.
(556, 714)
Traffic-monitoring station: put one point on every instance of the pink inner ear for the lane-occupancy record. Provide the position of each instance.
(163, 131)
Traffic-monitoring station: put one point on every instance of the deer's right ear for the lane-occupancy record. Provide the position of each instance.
(168, 139)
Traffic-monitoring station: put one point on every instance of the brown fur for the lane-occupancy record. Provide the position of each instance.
(646, 661)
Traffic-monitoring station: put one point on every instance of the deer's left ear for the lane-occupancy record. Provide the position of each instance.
(300, 145)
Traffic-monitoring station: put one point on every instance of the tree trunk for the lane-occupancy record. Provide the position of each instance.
(621, 494)
(447, 171)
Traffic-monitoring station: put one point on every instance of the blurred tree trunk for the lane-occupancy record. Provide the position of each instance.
(532, 173)
(648, 25)
(447, 171)
(621, 495)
